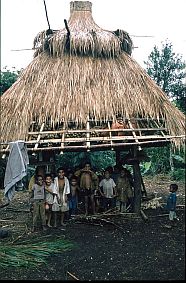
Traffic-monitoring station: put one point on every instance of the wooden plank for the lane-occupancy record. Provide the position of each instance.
(134, 134)
(110, 134)
(93, 146)
(88, 135)
(39, 136)
(92, 130)
(98, 139)
(103, 139)
(62, 140)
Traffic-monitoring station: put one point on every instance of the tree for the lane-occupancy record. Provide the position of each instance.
(8, 78)
(168, 71)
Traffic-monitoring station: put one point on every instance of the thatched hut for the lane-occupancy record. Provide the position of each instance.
(81, 81)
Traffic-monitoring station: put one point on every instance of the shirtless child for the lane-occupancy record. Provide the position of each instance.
(49, 189)
(88, 185)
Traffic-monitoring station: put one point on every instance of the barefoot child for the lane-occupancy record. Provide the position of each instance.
(49, 188)
(107, 190)
(88, 185)
(73, 197)
(37, 197)
(124, 190)
(171, 202)
(62, 189)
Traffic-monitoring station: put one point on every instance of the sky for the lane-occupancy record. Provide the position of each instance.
(22, 20)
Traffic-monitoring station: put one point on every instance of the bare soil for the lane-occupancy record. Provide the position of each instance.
(107, 247)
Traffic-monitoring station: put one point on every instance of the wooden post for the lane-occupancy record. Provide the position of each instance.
(117, 157)
(137, 183)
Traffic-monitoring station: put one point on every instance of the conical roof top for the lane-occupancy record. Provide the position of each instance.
(83, 72)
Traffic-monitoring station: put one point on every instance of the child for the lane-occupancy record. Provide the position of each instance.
(88, 185)
(40, 170)
(73, 196)
(62, 189)
(37, 197)
(97, 197)
(107, 190)
(49, 189)
(124, 190)
(171, 202)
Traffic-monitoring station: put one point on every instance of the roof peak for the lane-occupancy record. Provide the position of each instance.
(80, 6)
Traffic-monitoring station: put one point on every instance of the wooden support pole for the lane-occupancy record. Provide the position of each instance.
(88, 135)
(144, 192)
(117, 157)
(39, 136)
(134, 134)
(137, 184)
(63, 140)
(110, 135)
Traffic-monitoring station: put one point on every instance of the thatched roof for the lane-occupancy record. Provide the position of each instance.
(84, 72)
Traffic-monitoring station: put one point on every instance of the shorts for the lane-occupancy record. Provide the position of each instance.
(172, 215)
(60, 207)
(87, 192)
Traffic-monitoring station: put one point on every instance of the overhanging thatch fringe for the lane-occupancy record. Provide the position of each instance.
(90, 77)
(77, 87)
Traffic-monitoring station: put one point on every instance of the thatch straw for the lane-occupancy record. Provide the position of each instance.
(68, 87)
(83, 37)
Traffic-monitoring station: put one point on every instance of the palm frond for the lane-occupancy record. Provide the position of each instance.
(31, 254)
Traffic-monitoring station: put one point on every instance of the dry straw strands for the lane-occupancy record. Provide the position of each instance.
(89, 75)
(72, 88)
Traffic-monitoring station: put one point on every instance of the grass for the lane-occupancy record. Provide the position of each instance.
(31, 254)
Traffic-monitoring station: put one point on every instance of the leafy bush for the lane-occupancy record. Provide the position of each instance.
(178, 174)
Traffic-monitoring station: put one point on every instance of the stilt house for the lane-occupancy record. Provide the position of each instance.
(84, 92)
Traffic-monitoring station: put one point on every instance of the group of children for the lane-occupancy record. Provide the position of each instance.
(50, 196)
(61, 195)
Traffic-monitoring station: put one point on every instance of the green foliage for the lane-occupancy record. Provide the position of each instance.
(145, 168)
(178, 174)
(160, 163)
(8, 78)
(159, 160)
(99, 160)
(28, 255)
(168, 71)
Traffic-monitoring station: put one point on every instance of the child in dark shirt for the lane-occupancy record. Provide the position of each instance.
(171, 202)
(73, 197)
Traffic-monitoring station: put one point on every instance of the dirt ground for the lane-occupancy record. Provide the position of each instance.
(107, 247)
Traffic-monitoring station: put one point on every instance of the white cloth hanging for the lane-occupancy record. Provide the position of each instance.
(16, 167)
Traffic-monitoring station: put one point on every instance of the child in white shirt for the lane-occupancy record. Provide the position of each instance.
(107, 190)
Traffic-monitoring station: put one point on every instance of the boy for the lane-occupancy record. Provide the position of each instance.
(37, 197)
(107, 191)
(171, 203)
(62, 189)
(49, 189)
(73, 196)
